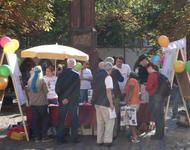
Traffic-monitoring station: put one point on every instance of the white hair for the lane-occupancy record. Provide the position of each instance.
(101, 65)
(109, 59)
(71, 62)
(108, 66)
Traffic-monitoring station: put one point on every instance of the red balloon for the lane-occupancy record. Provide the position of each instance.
(4, 40)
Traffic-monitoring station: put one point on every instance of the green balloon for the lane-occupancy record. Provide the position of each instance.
(78, 67)
(187, 66)
(5, 70)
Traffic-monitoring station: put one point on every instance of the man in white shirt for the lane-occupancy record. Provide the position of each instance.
(85, 82)
(124, 70)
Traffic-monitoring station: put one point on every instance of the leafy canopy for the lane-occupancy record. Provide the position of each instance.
(25, 16)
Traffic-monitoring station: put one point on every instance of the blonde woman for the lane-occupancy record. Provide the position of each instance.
(37, 92)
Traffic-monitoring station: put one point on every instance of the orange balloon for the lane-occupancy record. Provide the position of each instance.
(179, 66)
(163, 41)
(3, 83)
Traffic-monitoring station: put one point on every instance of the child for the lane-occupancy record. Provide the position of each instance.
(132, 99)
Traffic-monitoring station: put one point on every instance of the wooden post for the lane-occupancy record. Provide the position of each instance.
(184, 103)
(2, 58)
(22, 116)
(3, 92)
(21, 113)
(187, 113)
(167, 107)
(2, 98)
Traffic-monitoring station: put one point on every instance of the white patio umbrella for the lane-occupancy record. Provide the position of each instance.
(57, 52)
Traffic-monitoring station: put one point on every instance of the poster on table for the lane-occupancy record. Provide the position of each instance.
(16, 77)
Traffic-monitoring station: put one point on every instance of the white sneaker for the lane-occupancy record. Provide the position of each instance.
(135, 141)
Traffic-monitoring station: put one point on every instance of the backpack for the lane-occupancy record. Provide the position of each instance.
(164, 85)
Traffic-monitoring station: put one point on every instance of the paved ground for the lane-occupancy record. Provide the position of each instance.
(177, 138)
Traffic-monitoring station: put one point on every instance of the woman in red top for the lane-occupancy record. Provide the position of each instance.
(156, 102)
(152, 80)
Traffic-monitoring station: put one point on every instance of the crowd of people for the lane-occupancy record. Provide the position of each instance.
(114, 83)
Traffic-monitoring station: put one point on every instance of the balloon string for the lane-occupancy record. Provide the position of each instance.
(2, 58)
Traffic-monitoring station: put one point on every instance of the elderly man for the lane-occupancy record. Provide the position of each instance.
(117, 77)
(103, 100)
(68, 91)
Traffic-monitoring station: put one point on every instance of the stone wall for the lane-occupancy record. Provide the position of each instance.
(131, 55)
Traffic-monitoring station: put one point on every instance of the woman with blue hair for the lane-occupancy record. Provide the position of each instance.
(37, 92)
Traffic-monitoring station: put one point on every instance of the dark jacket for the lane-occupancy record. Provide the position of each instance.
(68, 86)
(99, 96)
(116, 77)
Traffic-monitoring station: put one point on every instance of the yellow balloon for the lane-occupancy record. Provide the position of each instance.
(16, 44)
(179, 66)
(163, 41)
(8, 48)
(11, 46)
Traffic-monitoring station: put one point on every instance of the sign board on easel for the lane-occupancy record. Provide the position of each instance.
(183, 81)
(19, 90)
(16, 77)
(177, 51)
(171, 55)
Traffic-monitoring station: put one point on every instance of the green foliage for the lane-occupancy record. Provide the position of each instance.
(113, 21)
(133, 20)
(118, 22)
(175, 20)
(60, 28)
(25, 16)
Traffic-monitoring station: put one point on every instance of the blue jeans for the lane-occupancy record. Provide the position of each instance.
(63, 111)
(40, 121)
(83, 95)
(156, 106)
